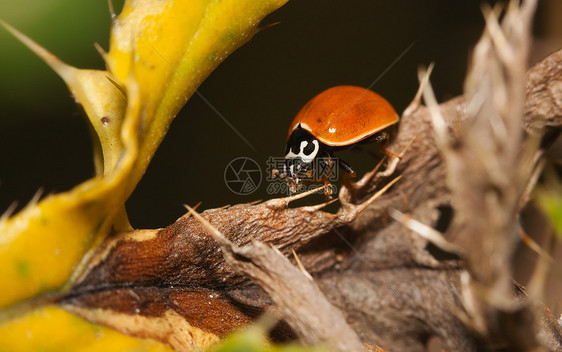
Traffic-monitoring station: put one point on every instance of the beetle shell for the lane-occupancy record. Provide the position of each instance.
(345, 115)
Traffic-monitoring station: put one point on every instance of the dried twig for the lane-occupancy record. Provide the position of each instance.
(299, 301)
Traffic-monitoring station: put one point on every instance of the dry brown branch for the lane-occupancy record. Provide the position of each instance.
(298, 300)
(394, 288)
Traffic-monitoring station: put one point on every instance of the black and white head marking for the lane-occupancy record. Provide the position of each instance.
(302, 149)
(307, 151)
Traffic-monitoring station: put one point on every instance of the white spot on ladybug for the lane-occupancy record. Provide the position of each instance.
(308, 157)
(311, 147)
(332, 130)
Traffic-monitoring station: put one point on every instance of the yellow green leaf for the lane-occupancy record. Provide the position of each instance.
(176, 45)
(42, 244)
(254, 339)
(160, 53)
(101, 99)
(53, 329)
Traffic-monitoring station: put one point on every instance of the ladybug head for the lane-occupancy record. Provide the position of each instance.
(300, 156)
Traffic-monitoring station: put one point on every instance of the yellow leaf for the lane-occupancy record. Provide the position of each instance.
(53, 329)
(102, 101)
(176, 45)
(42, 245)
(160, 53)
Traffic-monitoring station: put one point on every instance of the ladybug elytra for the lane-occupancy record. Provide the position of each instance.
(335, 119)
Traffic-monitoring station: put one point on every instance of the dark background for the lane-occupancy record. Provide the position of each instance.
(44, 141)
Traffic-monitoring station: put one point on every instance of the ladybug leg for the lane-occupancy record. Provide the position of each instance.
(326, 177)
(276, 173)
(348, 176)
(394, 160)
(382, 139)
(346, 168)
(351, 188)
(413, 107)
(327, 190)
(349, 211)
(367, 178)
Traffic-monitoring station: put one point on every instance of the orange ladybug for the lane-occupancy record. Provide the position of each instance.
(331, 121)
